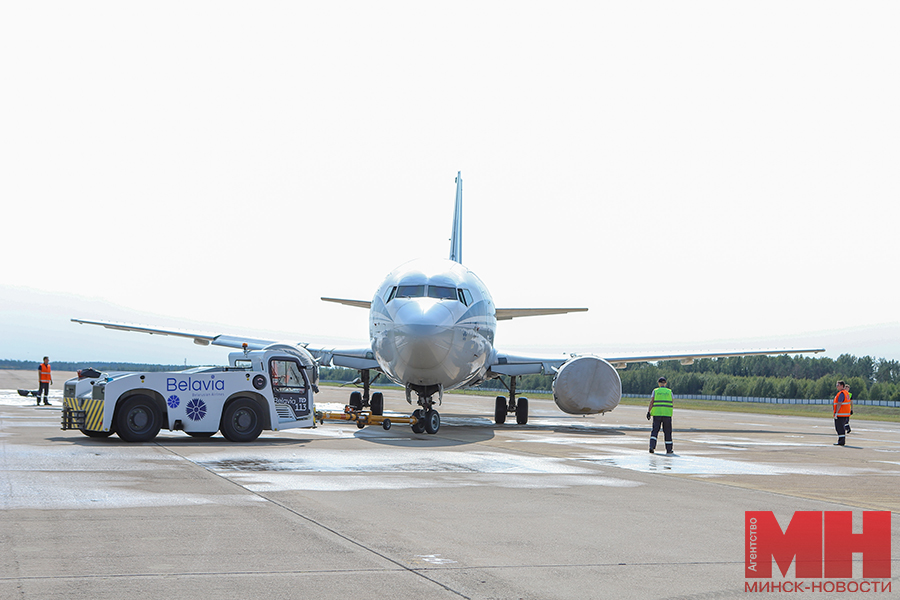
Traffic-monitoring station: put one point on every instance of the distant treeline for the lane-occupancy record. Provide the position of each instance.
(750, 376)
(30, 365)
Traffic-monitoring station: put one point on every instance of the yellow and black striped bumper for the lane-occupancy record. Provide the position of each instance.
(82, 414)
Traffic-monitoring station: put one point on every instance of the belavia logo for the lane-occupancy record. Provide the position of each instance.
(822, 543)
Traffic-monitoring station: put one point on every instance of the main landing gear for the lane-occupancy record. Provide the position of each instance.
(519, 407)
(361, 400)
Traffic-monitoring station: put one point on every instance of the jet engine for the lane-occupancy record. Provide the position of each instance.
(587, 385)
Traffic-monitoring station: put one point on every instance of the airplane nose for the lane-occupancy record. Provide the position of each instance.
(424, 335)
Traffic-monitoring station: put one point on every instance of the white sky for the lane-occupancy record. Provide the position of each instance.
(712, 175)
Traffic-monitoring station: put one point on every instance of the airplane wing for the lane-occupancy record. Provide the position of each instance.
(688, 359)
(505, 314)
(507, 364)
(351, 358)
(200, 339)
(356, 303)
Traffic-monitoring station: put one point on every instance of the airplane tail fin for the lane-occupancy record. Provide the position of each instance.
(456, 234)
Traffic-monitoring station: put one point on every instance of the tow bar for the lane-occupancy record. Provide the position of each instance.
(363, 418)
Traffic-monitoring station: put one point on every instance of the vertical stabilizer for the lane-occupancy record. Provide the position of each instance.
(456, 234)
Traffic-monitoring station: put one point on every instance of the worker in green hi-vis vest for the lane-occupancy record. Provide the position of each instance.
(661, 410)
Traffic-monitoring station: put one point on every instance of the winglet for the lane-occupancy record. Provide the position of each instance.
(456, 234)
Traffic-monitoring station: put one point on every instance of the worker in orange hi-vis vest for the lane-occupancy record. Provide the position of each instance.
(44, 381)
(842, 409)
(850, 396)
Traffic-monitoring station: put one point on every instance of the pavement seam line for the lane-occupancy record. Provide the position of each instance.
(317, 524)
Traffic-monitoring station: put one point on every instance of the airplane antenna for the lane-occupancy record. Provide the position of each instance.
(456, 234)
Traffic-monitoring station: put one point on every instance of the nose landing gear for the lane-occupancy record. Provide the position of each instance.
(427, 419)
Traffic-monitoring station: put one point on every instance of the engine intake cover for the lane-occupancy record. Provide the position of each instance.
(587, 385)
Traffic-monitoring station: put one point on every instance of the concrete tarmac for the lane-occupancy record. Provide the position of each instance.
(564, 507)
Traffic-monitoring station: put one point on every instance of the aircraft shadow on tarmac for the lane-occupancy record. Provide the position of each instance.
(466, 429)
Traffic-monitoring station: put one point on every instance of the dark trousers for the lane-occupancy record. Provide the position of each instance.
(666, 424)
(840, 426)
(44, 390)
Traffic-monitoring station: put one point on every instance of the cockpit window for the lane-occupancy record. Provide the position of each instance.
(389, 295)
(410, 291)
(441, 292)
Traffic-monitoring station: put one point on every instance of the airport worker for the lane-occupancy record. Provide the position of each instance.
(660, 410)
(850, 396)
(44, 381)
(841, 412)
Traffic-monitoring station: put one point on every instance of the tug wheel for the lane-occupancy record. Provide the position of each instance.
(138, 419)
(242, 421)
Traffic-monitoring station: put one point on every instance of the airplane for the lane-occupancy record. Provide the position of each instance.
(432, 328)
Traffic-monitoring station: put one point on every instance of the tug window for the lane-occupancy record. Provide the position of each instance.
(287, 377)
(441, 292)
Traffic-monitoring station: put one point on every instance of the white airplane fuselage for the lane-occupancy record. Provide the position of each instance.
(431, 326)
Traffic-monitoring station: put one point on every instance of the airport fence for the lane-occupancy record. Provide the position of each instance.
(826, 401)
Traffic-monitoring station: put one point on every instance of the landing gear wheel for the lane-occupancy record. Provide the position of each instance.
(377, 404)
(201, 434)
(386, 424)
(419, 426)
(522, 411)
(242, 421)
(138, 420)
(356, 401)
(432, 422)
(500, 411)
